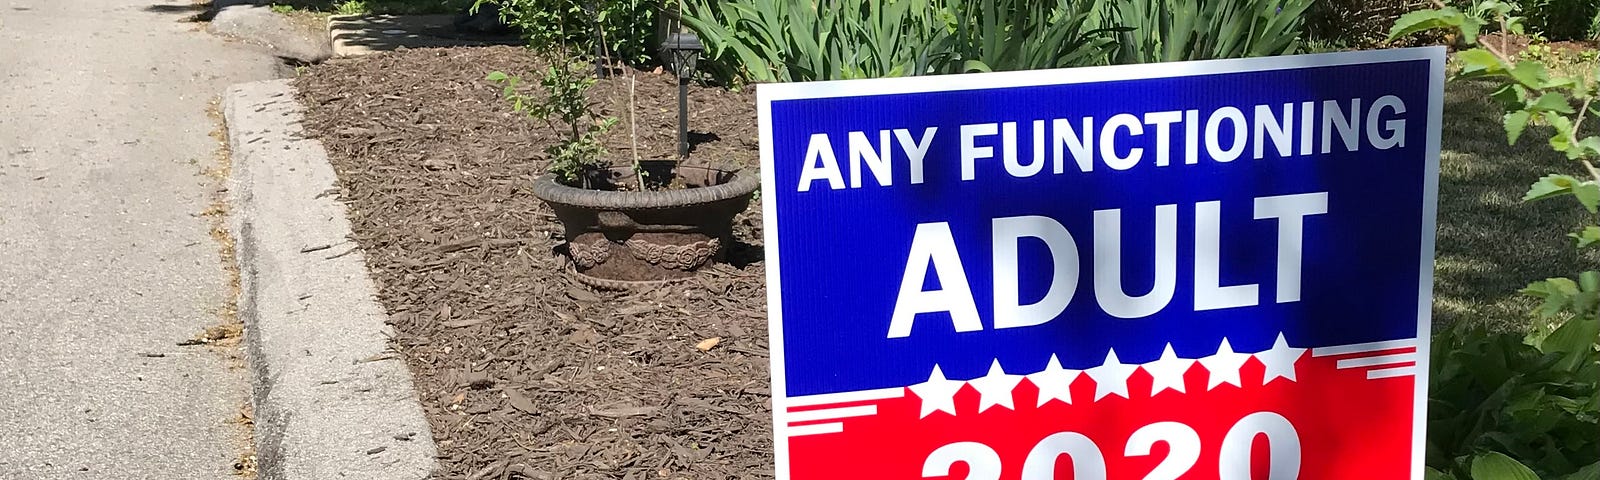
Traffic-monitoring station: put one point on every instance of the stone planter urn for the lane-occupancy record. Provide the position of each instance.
(618, 239)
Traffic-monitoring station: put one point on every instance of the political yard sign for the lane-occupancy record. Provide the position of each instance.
(1210, 270)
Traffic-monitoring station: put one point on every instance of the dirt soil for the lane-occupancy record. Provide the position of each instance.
(1513, 45)
(523, 372)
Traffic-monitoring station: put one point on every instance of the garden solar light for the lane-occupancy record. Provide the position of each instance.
(683, 52)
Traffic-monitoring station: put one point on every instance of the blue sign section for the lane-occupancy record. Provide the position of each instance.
(1292, 201)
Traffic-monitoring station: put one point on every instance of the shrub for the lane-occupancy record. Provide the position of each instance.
(1524, 408)
(626, 28)
(564, 106)
(1560, 19)
(1355, 23)
(1532, 399)
(1554, 20)
(352, 7)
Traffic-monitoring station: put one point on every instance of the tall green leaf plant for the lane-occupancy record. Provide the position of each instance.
(1178, 30)
(800, 40)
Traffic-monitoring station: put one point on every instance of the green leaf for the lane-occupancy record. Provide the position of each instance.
(1530, 74)
(1575, 338)
(1556, 292)
(1509, 94)
(1588, 194)
(1551, 186)
(1424, 20)
(1430, 474)
(1478, 60)
(1588, 147)
(1562, 284)
(1588, 472)
(496, 76)
(1562, 140)
(1553, 102)
(1587, 236)
(1515, 122)
(1497, 466)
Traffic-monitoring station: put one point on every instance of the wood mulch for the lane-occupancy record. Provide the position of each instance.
(523, 372)
(1514, 45)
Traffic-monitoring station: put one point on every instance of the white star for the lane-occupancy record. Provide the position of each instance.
(1280, 360)
(1167, 372)
(1055, 383)
(995, 387)
(1111, 377)
(1224, 365)
(937, 394)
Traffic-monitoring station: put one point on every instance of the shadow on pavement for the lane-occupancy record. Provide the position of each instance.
(198, 12)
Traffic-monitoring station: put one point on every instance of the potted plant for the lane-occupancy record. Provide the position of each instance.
(646, 222)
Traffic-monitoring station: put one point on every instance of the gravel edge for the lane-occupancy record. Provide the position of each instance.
(331, 398)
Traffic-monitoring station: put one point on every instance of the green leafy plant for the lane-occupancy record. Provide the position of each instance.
(565, 107)
(1177, 30)
(1594, 26)
(800, 40)
(1560, 19)
(1579, 64)
(623, 28)
(998, 35)
(1351, 24)
(1503, 405)
(1498, 397)
(352, 7)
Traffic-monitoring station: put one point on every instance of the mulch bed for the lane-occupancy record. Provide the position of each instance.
(1513, 45)
(523, 372)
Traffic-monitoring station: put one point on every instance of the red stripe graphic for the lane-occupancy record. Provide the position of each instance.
(1327, 413)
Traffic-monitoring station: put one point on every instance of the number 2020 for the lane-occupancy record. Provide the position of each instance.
(1183, 450)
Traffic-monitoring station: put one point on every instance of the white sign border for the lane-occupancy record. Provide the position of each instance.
(768, 93)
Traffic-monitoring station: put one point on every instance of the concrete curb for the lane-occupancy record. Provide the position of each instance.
(331, 399)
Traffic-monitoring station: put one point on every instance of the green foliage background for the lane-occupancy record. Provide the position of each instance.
(1559, 19)
(624, 29)
(1505, 405)
(800, 40)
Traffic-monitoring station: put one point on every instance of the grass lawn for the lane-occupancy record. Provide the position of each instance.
(1490, 243)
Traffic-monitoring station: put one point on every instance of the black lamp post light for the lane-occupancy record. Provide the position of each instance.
(683, 53)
